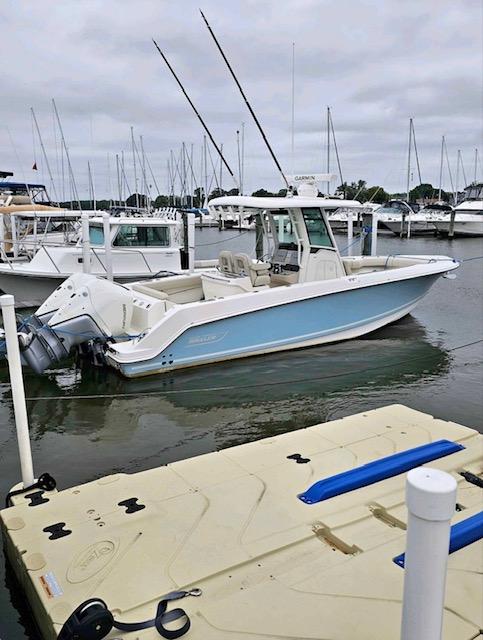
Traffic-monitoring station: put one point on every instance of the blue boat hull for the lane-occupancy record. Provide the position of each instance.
(328, 318)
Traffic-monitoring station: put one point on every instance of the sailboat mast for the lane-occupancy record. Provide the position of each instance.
(441, 170)
(409, 158)
(293, 109)
(328, 148)
(44, 154)
(71, 173)
(336, 149)
(92, 192)
(242, 159)
(134, 165)
(118, 173)
(416, 153)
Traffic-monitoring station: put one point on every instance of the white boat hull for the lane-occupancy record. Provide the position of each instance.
(470, 228)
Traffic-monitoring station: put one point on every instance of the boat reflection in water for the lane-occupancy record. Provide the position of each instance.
(240, 400)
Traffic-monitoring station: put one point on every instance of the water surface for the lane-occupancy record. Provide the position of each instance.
(143, 423)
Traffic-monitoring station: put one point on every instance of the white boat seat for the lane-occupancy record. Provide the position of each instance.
(257, 271)
(225, 262)
(150, 291)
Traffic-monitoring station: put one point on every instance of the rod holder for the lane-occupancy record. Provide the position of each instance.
(18, 392)
(431, 501)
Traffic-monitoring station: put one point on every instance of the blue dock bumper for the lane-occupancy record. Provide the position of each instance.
(378, 470)
(462, 534)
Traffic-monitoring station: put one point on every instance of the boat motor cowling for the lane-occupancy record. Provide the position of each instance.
(75, 313)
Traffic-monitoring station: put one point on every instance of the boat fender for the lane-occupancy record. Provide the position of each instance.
(45, 482)
(92, 619)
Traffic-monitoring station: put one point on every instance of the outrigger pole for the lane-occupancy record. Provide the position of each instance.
(262, 133)
(220, 153)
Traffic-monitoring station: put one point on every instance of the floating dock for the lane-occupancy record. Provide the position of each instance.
(233, 524)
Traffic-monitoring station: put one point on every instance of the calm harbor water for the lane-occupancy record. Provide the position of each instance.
(133, 425)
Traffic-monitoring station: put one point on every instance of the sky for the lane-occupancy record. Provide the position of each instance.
(376, 63)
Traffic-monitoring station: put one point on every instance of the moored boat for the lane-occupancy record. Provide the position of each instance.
(304, 293)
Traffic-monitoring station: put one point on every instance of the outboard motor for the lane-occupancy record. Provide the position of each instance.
(80, 310)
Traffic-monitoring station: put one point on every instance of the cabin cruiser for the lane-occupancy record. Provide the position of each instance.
(468, 218)
(300, 293)
(401, 218)
(338, 218)
(139, 247)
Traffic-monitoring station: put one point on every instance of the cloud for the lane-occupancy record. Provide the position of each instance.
(375, 63)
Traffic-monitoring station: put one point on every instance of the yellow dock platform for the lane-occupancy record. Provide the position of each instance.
(269, 566)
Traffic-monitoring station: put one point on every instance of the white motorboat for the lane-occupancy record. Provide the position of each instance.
(468, 219)
(140, 247)
(304, 294)
(401, 217)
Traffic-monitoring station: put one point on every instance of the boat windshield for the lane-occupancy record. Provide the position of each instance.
(474, 192)
(96, 235)
(316, 227)
(130, 235)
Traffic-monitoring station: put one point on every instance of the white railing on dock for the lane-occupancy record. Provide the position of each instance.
(18, 391)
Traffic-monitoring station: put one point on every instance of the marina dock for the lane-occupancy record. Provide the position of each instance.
(231, 524)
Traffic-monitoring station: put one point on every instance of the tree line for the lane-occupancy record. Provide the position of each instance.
(353, 191)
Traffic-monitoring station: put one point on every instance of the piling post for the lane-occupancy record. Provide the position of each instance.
(366, 236)
(191, 241)
(431, 501)
(106, 225)
(375, 221)
(451, 224)
(18, 391)
(350, 232)
(86, 244)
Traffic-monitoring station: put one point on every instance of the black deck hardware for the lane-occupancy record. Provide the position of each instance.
(57, 531)
(472, 478)
(131, 505)
(45, 482)
(36, 498)
(299, 459)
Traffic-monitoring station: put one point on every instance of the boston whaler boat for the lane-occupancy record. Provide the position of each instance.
(304, 294)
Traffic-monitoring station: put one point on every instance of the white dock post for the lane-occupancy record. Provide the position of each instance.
(191, 242)
(106, 225)
(374, 234)
(350, 232)
(86, 244)
(431, 501)
(18, 392)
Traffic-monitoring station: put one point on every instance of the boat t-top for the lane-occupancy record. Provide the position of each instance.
(300, 293)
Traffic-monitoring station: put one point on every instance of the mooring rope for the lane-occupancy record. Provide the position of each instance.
(139, 394)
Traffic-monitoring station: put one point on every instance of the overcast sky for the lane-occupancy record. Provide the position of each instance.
(376, 63)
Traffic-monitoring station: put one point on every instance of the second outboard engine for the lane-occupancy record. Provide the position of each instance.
(82, 309)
